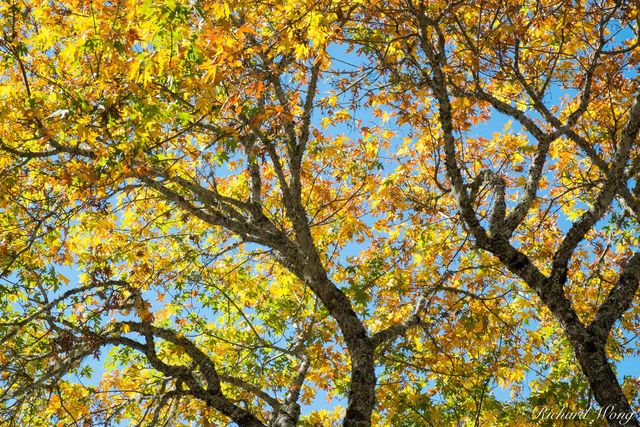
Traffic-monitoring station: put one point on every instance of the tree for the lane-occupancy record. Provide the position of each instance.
(456, 64)
(165, 144)
(207, 193)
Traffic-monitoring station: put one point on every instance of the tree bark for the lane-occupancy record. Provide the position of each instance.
(286, 416)
(607, 391)
(362, 390)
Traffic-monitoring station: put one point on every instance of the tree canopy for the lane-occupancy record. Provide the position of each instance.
(318, 213)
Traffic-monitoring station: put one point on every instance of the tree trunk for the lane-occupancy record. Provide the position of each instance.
(362, 387)
(362, 391)
(608, 393)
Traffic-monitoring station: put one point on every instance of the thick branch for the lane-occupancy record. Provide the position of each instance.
(618, 301)
(212, 395)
